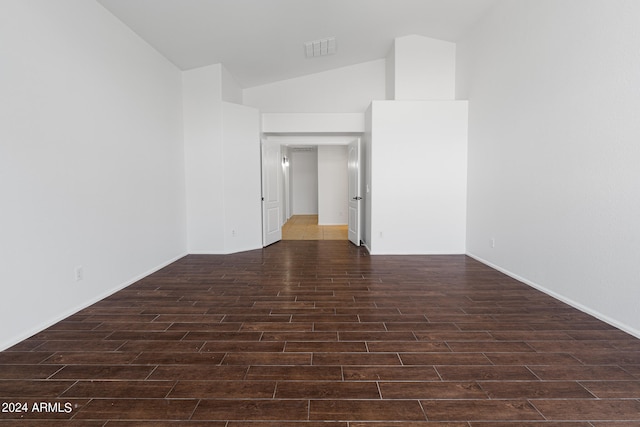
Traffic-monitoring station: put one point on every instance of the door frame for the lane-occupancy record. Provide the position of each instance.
(354, 172)
(271, 173)
(316, 140)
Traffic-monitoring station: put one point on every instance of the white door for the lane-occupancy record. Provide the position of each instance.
(271, 193)
(353, 168)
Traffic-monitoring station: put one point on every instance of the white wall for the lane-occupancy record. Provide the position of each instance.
(231, 91)
(553, 149)
(332, 185)
(390, 73)
(297, 123)
(303, 169)
(91, 161)
(423, 68)
(344, 90)
(418, 177)
(242, 188)
(202, 104)
(222, 151)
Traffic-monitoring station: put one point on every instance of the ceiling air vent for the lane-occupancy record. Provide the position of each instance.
(320, 47)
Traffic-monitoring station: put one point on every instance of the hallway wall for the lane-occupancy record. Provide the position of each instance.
(304, 182)
(332, 185)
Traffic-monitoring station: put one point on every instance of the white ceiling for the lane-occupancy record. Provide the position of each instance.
(261, 41)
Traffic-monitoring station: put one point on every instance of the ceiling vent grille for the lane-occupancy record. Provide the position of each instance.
(320, 47)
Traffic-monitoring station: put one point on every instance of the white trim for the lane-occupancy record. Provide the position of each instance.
(626, 328)
(84, 305)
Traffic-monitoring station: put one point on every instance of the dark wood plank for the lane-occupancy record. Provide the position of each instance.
(308, 333)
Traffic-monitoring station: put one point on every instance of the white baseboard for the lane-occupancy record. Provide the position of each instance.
(564, 299)
(100, 297)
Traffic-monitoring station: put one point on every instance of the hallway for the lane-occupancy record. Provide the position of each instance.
(305, 227)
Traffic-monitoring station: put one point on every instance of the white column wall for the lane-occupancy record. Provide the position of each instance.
(204, 158)
(242, 188)
(222, 151)
(421, 68)
(418, 155)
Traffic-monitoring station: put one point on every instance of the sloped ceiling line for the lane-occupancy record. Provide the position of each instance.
(262, 41)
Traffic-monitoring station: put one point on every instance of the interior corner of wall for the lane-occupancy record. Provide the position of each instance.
(231, 90)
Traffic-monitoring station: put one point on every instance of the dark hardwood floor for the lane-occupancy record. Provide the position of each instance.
(318, 333)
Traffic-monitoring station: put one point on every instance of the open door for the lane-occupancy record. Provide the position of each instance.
(353, 168)
(271, 193)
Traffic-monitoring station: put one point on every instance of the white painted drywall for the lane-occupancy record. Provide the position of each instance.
(222, 155)
(343, 90)
(390, 73)
(332, 185)
(204, 158)
(297, 123)
(242, 189)
(91, 161)
(423, 68)
(554, 133)
(231, 91)
(303, 169)
(418, 177)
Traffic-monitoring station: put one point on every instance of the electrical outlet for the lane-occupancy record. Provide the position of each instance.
(233, 233)
(493, 242)
(79, 273)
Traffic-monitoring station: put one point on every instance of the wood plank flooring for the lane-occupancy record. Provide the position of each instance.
(318, 333)
(305, 227)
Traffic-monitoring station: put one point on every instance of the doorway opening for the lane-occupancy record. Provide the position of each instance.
(313, 188)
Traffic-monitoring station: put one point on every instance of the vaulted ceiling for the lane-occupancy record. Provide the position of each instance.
(261, 41)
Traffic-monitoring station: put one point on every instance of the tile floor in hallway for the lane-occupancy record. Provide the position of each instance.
(305, 227)
(319, 333)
